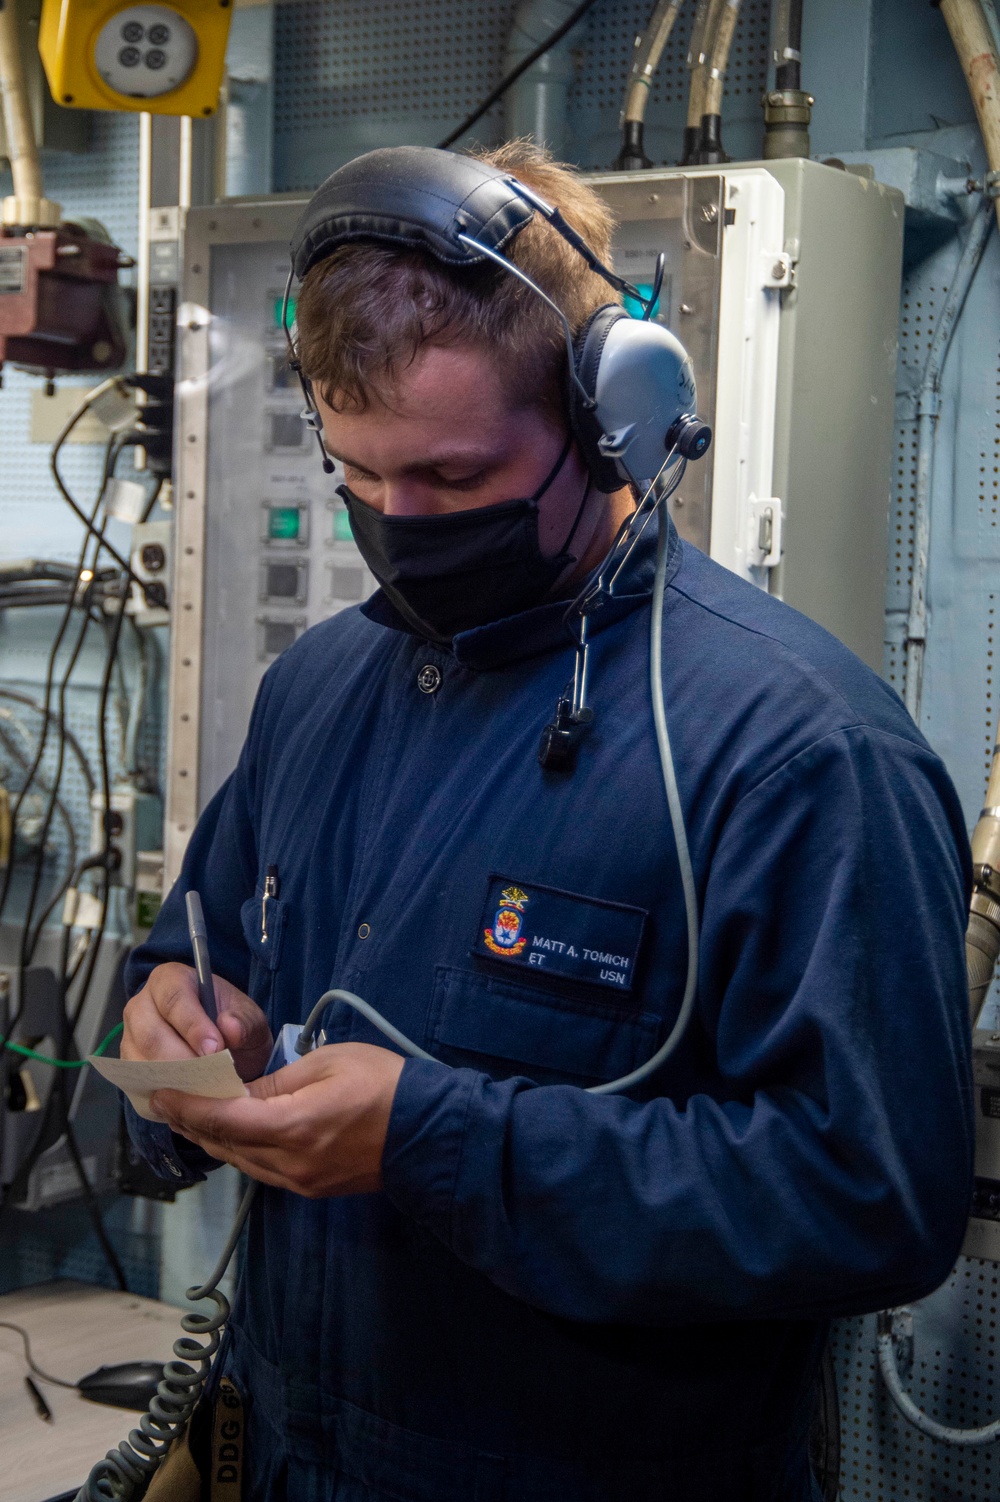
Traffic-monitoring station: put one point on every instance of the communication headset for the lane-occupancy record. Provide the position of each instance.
(630, 388)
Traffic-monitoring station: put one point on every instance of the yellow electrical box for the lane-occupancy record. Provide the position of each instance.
(113, 55)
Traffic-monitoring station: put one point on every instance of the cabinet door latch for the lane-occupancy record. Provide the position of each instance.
(764, 550)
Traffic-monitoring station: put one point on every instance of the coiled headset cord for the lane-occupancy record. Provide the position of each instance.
(126, 1471)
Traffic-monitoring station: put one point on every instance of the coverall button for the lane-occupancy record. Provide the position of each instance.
(429, 678)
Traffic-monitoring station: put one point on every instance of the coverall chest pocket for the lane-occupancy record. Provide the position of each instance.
(264, 931)
(505, 1027)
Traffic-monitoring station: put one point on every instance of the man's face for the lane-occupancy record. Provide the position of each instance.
(452, 439)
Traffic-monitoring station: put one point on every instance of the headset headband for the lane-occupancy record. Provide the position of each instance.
(411, 195)
(460, 210)
(464, 213)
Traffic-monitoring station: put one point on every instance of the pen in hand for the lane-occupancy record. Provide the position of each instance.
(199, 946)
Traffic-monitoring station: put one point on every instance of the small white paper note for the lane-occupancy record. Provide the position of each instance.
(213, 1075)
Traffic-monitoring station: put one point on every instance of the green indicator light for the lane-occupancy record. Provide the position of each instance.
(278, 302)
(634, 308)
(283, 523)
(342, 527)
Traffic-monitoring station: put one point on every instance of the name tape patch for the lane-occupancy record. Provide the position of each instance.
(560, 933)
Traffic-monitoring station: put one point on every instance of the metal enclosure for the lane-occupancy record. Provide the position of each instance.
(263, 549)
(788, 302)
(782, 281)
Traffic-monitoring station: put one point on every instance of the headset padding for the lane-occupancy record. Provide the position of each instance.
(410, 195)
(588, 348)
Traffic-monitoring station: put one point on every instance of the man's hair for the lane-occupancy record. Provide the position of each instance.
(365, 311)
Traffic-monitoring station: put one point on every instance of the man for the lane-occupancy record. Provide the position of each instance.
(482, 1282)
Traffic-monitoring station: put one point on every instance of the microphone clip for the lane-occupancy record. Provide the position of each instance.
(561, 738)
(560, 742)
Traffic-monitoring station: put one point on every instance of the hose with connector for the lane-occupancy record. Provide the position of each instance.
(973, 41)
(709, 149)
(787, 107)
(702, 31)
(27, 206)
(649, 47)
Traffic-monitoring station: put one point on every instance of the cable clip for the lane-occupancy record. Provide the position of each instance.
(561, 738)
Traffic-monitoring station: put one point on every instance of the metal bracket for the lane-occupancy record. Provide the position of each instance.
(777, 268)
(764, 541)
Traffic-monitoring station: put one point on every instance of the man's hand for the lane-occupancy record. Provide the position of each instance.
(166, 1020)
(316, 1127)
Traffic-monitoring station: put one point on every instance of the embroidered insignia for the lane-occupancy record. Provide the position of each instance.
(505, 937)
(560, 934)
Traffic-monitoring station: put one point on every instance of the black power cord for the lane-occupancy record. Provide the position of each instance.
(32, 1365)
(38, 870)
(63, 627)
(515, 73)
(19, 759)
(60, 1099)
(102, 738)
(104, 863)
(58, 1118)
(72, 742)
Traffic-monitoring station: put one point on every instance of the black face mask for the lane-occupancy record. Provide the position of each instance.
(446, 574)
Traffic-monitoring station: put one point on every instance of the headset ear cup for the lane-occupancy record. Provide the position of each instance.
(588, 347)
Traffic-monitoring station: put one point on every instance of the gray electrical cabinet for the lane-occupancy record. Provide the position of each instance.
(782, 279)
(263, 549)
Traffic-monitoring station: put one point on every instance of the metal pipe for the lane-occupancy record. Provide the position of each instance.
(993, 22)
(142, 253)
(649, 47)
(535, 105)
(27, 205)
(973, 42)
(973, 30)
(928, 409)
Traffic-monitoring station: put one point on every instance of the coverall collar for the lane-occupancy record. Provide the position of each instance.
(543, 628)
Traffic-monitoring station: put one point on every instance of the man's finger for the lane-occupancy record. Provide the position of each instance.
(174, 991)
(148, 1036)
(247, 1026)
(318, 1065)
(246, 1122)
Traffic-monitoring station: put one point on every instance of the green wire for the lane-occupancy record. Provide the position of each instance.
(43, 1058)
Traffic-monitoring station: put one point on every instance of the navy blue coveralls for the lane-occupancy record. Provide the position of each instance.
(561, 1297)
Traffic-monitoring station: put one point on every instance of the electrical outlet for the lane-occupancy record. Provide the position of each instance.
(151, 564)
(135, 822)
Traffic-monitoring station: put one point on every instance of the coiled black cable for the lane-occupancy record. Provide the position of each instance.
(126, 1471)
